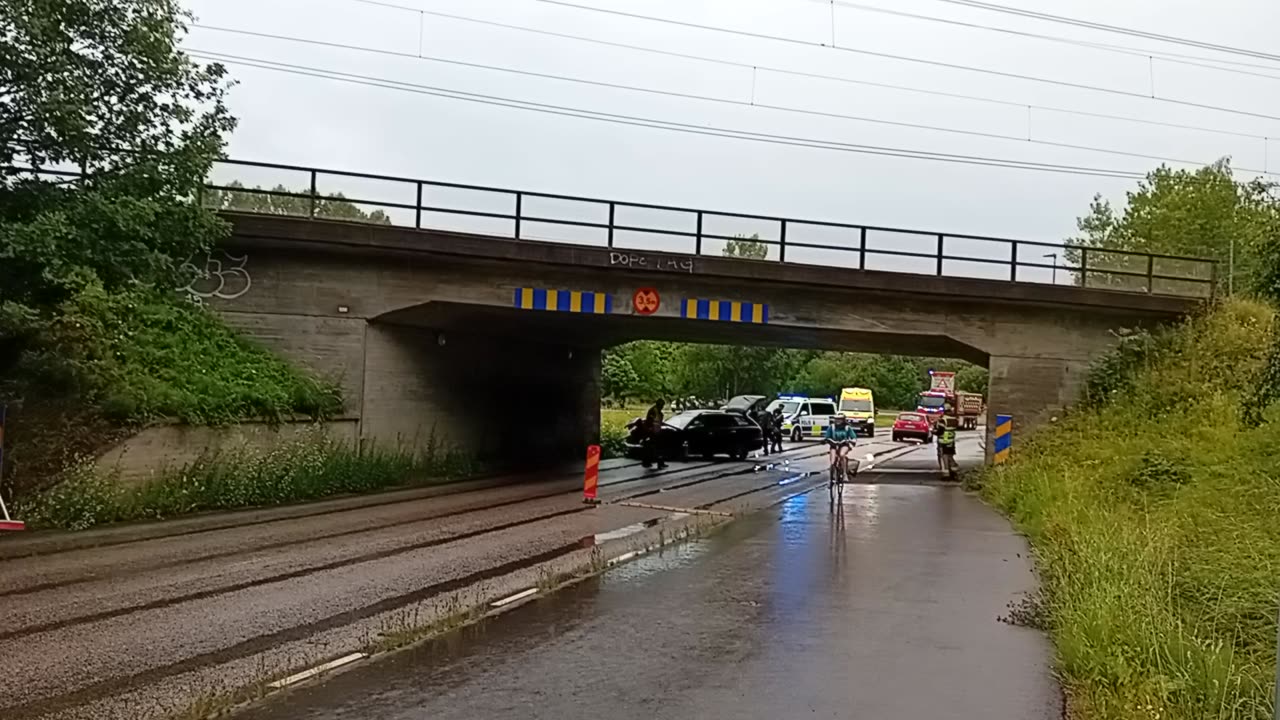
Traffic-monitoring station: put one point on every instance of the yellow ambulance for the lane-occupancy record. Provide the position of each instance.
(859, 406)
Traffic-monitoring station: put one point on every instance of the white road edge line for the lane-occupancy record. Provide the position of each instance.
(624, 557)
(512, 598)
(326, 667)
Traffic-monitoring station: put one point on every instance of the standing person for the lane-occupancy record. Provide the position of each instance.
(946, 429)
(653, 425)
(775, 426)
(765, 421)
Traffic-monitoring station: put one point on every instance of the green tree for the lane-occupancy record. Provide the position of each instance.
(652, 362)
(334, 206)
(618, 379)
(894, 380)
(746, 247)
(100, 86)
(107, 131)
(972, 378)
(722, 371)
(1202, 213)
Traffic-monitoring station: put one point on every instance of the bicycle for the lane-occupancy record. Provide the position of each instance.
(838, 474)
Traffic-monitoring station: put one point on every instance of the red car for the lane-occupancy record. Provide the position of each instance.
(911, 425)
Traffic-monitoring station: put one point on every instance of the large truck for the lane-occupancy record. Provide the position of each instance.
(942, 389)
(969, 409)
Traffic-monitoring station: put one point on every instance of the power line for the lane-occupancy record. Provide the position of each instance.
(1162, 55)
(1132, 32)
(1192, 60)
(906, 58)
(816, 76)
(706, 98)
(660, 124)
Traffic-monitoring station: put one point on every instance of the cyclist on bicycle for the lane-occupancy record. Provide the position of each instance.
(840, 438)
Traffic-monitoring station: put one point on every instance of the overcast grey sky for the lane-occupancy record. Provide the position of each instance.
(311, 121)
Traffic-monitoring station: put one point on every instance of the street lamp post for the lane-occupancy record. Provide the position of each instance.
(1055, 266)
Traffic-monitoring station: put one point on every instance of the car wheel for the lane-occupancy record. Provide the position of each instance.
(740, 453)
(796, 435)
(871, 432)
(897, 437)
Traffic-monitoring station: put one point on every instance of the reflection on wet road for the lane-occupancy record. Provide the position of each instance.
(882, 608)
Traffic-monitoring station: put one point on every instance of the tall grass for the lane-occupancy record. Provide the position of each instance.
(309, 467)
(1155, 520)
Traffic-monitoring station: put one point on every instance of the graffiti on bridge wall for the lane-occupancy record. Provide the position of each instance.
(221, 275)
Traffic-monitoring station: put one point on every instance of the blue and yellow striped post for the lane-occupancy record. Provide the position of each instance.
(1004, 437)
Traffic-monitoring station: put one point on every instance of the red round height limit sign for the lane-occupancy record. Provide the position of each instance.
(645, 301)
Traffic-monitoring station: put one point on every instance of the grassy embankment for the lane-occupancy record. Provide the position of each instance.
(113, 363)
(1155, 519)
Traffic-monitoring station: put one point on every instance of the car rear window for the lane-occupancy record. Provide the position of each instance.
(911, 417)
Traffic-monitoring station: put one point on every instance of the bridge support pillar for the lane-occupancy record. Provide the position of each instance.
(1032, 390)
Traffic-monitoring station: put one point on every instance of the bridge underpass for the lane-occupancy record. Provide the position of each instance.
(438, 337)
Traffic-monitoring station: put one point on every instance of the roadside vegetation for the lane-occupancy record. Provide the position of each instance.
(310, 467)
(97, 336)
(1153, 507)
(1153, 514)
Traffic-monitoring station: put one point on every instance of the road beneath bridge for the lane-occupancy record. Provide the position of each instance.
(887, 605)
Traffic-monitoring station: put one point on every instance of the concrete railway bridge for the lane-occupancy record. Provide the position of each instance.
(461, 316)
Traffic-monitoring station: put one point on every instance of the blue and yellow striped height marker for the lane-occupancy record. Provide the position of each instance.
(725, 310)
(1004, 437)
(575, 301)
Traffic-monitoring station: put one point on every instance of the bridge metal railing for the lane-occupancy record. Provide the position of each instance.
(630, 227)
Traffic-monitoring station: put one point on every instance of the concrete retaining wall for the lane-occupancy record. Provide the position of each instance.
(172, 446)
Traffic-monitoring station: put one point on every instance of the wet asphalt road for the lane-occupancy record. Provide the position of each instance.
(135, 630)
(883, 607)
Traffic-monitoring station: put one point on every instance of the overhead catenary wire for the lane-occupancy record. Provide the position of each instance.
(662, 124)
(1146, 54)
(915, 60)
(1164, 55)
(816, 76)
(753, 101)
(1132, 32)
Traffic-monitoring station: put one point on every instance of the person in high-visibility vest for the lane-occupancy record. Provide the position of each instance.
(946, 431)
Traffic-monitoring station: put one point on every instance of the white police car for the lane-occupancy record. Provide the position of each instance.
(803, 417)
